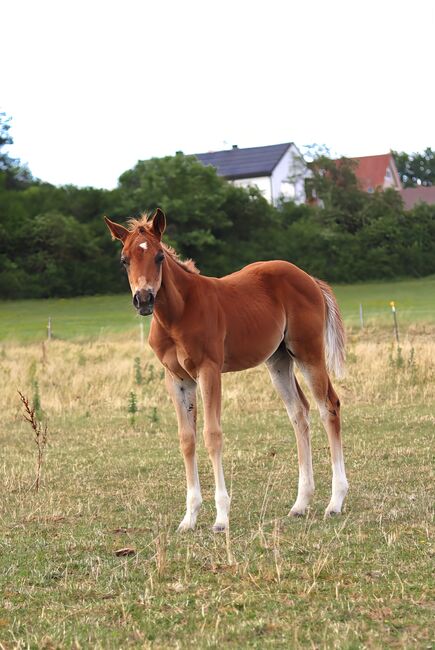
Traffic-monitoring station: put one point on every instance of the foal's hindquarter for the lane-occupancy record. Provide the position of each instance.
(268, 312)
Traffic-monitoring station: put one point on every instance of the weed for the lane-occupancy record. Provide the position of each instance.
(396, 357)
(32, 371)
(132, 406)
(40, 436)
(151, 374)
(411, 363)
(36, 400)
(154, 415)
(137, 371)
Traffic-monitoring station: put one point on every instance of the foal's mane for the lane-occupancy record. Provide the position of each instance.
(144, 221)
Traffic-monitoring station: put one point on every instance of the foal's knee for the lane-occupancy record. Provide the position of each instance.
(213, 441)
(187, 443)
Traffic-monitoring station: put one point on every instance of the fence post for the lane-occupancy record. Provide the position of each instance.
(361, 318)
(396, 329)
(49, 329)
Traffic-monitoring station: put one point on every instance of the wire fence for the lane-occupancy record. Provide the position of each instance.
(89, 328)
(382, 315)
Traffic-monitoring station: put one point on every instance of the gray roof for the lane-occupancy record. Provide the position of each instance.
(245, 163)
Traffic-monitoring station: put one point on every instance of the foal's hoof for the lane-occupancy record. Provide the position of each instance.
(331, 513)
(298, 510)
(185, 526)
(219, 528)
(296, 513)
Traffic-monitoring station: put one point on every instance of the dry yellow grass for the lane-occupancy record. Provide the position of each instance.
(74, 377)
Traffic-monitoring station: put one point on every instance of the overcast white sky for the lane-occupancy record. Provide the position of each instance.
(94, 86)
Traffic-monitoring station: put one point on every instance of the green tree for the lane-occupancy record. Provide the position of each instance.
(220, 226)
(334, 184)
(12, 173)
(192, 195)
(417, 168)
(5, 139)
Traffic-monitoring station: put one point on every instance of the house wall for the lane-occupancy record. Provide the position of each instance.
(287, 180)
(262, 182)
(392, 178)
(288, 177)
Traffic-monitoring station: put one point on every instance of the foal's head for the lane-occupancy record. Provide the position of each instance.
(142, 256)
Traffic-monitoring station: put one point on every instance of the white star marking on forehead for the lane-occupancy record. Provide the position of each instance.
(144, 245)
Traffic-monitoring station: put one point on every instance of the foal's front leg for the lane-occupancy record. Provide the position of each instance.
(210, 383)
(183, 394)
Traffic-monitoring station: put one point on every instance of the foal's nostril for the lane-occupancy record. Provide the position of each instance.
(136, 300)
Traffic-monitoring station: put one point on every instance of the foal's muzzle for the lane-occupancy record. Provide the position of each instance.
(143, 300)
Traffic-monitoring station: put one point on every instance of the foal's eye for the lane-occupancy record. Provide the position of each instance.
(159, 257)
(124, 261)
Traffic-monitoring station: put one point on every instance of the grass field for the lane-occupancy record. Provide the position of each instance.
(101, 316)
(71, 318)
(361, 580)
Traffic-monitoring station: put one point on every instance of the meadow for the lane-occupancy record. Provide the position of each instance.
(93, 560)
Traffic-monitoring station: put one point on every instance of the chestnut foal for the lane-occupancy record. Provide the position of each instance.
(270, 312)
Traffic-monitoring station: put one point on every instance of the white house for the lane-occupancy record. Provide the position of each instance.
(277, 170)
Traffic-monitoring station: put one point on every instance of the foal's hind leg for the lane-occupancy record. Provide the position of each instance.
(183, 394)
(329, 408)
(280, 366)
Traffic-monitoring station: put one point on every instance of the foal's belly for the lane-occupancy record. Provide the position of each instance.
(251, 343)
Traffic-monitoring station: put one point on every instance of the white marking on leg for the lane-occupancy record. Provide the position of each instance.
(222, 499)
(193, 500)
(340, 484)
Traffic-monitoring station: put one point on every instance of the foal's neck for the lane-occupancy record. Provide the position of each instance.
(171, 297)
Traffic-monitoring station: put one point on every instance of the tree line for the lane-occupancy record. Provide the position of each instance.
(53, 241)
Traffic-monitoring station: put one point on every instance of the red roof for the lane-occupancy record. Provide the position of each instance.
(421, 194)
(371, 170)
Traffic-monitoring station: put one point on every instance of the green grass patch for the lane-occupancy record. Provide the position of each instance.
(103, 316)
(71, 318)
(414, 298)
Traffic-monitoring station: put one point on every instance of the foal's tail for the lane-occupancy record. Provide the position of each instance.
(335, 338)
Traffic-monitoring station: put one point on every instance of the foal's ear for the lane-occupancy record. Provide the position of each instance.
(158, 223)
(117, 231)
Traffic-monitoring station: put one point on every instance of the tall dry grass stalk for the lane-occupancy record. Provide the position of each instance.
(40, 436)
(161, 553)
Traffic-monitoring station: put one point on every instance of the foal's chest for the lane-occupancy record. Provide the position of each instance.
(178, 361)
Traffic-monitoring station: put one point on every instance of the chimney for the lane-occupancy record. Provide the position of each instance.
(235, 146)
